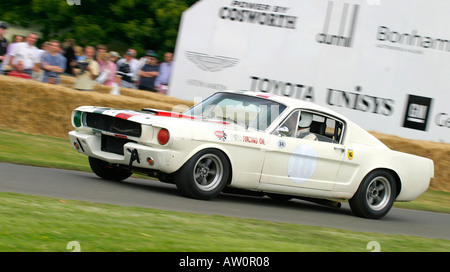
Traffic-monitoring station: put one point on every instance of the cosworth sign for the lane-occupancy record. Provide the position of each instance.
(255, 13)
(384, 63)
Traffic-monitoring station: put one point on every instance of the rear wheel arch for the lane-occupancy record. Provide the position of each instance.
(398, 182)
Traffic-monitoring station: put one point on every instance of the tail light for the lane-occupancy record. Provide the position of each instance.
(163, 136)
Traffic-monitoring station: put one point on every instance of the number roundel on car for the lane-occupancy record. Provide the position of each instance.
(302, 163)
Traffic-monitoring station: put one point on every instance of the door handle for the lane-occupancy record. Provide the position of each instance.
(342, 149)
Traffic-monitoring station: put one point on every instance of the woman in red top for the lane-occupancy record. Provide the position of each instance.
(19, 71)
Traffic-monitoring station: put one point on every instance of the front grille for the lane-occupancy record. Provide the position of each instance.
(112, 124)
(113, 144)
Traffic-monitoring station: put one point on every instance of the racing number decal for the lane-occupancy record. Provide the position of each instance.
(302, 163)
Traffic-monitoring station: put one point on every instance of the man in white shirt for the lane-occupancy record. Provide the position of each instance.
(26, 52)
(127, 69)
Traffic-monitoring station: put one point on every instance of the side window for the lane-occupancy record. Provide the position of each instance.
(334, 129)
(326, 128)
(311, 126)
(289, 127)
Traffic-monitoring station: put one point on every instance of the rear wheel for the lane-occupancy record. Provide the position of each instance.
(375, 195)
(107, 171)
(205, 175)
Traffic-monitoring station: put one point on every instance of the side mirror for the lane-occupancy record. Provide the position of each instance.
(282, 131)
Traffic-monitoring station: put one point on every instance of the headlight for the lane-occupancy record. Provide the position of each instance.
(77, 119)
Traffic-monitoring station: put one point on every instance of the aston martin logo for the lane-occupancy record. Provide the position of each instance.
(211, 63)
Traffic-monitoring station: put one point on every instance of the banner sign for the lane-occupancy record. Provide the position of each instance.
(385, 64)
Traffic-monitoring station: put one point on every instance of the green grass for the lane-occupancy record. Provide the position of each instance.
(20, 148)
(433, 201)
(43, 224)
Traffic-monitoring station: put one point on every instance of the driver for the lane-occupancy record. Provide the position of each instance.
(303, 127)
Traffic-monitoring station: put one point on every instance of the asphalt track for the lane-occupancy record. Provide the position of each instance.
(157, 195)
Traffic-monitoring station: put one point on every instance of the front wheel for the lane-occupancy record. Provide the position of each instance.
(205, 175)
(375, 195)
(107, 171)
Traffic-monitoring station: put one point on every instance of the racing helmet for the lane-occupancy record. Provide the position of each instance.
(305, 119)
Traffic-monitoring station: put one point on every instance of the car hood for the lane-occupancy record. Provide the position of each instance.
(155, 117)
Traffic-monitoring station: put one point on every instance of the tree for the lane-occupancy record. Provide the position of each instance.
(141, 24)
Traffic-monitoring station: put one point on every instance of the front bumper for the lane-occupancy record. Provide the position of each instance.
(136, 154)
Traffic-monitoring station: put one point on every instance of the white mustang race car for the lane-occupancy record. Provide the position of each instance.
(252, 142)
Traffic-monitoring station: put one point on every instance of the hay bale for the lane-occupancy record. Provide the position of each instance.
(38, 108)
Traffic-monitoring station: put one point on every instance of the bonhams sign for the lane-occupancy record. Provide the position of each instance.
(384, 64)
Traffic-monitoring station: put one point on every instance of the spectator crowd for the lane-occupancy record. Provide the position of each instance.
(89, 65)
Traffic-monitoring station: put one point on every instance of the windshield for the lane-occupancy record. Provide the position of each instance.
(249, 111)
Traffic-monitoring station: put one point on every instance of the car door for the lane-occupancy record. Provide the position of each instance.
(309, 162)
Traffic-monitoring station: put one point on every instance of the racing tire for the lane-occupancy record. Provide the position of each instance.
(107, 171)
(375, 196)
(204, 176)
